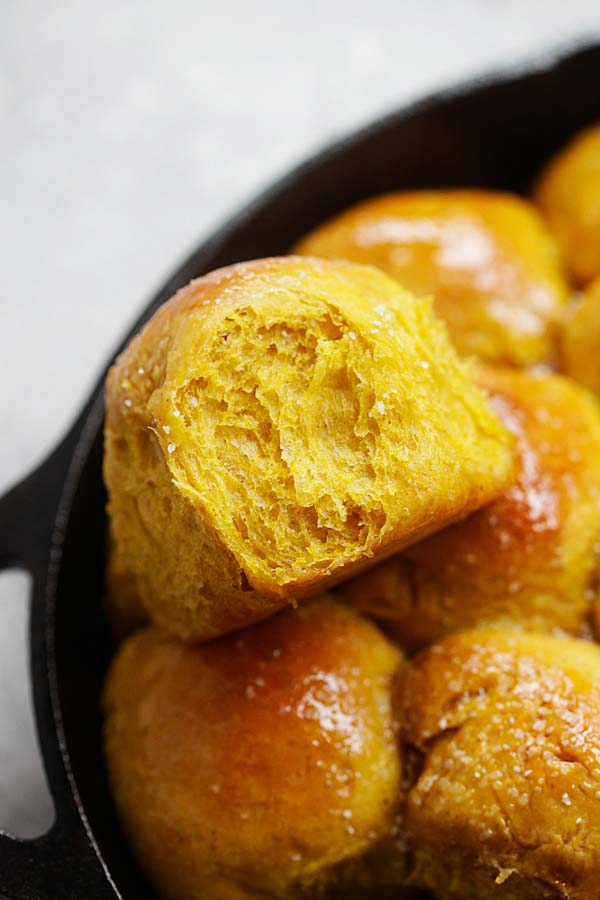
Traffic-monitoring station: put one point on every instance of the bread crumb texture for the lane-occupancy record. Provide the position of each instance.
(278, 424)
(529, 557)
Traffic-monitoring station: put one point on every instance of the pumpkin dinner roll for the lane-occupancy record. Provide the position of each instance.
(531, 556)
(568, 195)
(486, 258)
(122, 603)
(262, 765)
(506, 804)
(280, 424)
(581, 339)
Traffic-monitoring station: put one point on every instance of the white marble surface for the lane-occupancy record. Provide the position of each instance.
(128, 129)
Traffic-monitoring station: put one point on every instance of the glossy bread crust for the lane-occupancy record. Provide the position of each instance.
(486, 258)
(279, 425)
(531, 556)
(581, 339)
(262, 765)
(568, 194)
(507, 729)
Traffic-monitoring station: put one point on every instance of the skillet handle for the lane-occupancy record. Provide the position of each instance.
(28, 510)
(62, 864)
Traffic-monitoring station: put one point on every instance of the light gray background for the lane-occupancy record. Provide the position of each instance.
(128, 130)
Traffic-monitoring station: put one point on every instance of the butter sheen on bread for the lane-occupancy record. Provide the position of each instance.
(506, 726)
(530, 557)
(568, 195)
(581, 338)
(279, 425)
(262, 765)
(486, 258)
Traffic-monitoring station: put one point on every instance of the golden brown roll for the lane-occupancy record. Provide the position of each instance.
(568, 195)
(262, 765)
(507, 800)
(485, 257)
(529, 557)
(122, 602)
(581, 339)
(279, 425)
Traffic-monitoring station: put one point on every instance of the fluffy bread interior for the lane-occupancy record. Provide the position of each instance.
(279, 425)
(310, 428)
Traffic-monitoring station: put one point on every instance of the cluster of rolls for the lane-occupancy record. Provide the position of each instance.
(354, 502)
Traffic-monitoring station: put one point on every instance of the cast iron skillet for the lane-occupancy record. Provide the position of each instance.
(494, 133)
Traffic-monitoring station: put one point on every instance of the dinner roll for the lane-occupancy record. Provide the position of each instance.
(568, 195)
(122, 602)
(529, 557)
(506, 804)
(262, 765)
(280, 424)
(581, 339)
(484, 256)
